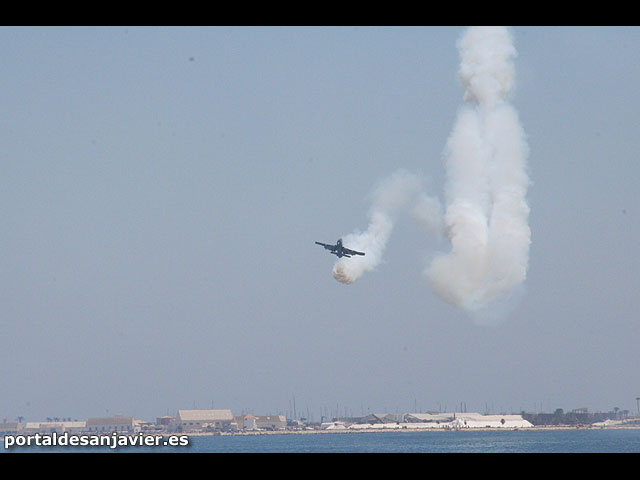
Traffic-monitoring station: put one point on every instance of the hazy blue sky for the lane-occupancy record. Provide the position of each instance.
(162, 189)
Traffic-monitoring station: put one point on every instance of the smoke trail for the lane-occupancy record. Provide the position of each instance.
(391, 196)
(486, 217)
(487, 214)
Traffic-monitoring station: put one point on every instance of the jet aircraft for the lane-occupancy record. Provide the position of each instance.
(339, 250)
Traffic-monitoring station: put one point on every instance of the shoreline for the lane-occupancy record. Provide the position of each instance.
(405, 430)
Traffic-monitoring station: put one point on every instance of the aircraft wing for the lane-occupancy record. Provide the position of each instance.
(328, 247)
(352, 252)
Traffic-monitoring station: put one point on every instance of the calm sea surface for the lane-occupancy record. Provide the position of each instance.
(556, 441)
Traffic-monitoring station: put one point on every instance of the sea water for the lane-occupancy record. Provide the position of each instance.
(520, 441)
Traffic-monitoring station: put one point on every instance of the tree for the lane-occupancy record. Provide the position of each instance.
(558, 416)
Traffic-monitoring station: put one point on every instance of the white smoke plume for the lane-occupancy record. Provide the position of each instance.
(486, 217)
(427, 213)
(391, 196)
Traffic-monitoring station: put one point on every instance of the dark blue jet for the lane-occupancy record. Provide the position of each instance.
(339, 250)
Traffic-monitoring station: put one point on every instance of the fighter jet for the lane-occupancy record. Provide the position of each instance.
(339, 250)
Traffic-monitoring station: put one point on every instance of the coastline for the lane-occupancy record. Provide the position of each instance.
(404, 430)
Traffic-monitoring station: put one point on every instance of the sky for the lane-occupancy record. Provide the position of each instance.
(162, 189)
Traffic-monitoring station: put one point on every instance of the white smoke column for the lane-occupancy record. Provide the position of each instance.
(391, 195)
(427, 213)
(486, 215)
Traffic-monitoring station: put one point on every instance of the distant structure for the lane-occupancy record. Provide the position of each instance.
(55, 427)
(165, 421)
(192, 421)
(117, 423)
(222, 420)
(263, 422)
(447, 421)
(10, 428)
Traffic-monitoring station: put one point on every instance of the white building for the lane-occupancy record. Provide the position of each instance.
(204, 420)
(117, 423)
(449, 421)
(57, 427)
(271, 422)
(10, 428)
(335, 426)
(477, 420)
(264, 422)
(250, 422)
